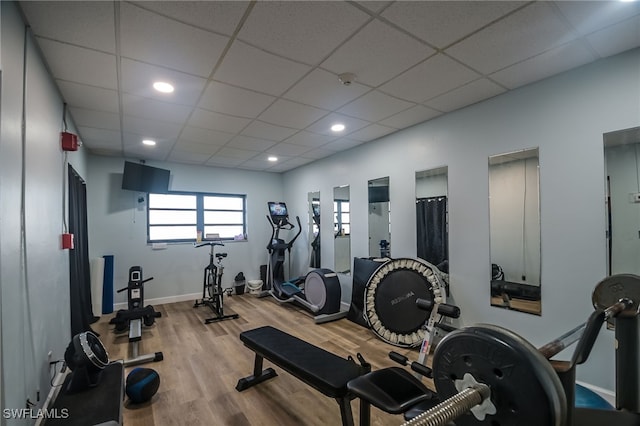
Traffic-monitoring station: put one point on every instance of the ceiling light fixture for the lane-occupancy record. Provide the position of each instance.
(338, 127)
(272, 158)
(163, 87)
(148, 142)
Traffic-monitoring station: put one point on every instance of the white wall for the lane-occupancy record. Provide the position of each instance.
(34, 270)
(566, 117)
(118, 226)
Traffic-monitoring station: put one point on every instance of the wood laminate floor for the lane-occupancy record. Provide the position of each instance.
(203, 362)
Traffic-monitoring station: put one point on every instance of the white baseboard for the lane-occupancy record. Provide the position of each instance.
(162, 300)
(608, 395)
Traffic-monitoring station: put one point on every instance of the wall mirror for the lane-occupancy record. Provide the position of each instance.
(432, 227)
(314, 229)
(379, 218)
(514, 221)
(622, 171)
(342, 229)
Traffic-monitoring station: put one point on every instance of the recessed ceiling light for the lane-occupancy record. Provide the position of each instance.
(162, 86)
(149, 142)
(272, 158)
(338, 127)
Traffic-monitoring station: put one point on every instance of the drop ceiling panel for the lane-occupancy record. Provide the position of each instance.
(410, 117)
(442, 23)
(205, 136)
(342, 144)
(291, 114)
(219, 161)
(318, 153)
(104, 138)
(541, 66)
(87, 24)
(260, 129)
(375, 106)
(80, 65)
(303, 31)
(617, 38)
(377, 53)
(138, 79)
(89, 97)
(236, 153)
(322, 89)
(151, 38)
(138, 106)
(432, 77)
(249, 143)
(158, 153)
(223, 98)
(466, 95)
(323, 126)
(369, 133)
(591, 16)
(249, 67)
(204, 150)
(216, 16)
(216, 121)
(512, 39)
(146, 128)
(305, 138)
(98, 119)
(288, 149)
(187, 157)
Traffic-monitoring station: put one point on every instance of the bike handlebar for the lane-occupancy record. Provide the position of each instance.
(208, 243)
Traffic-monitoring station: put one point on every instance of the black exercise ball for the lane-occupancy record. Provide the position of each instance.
(142, 384)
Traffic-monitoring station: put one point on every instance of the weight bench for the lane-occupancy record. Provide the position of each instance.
(322, 370)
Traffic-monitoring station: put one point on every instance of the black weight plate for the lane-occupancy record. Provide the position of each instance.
(390, 300)
(610, 290)
(524, 387)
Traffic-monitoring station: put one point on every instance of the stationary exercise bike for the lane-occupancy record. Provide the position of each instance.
(136, 315)
(212, 291)
(318, 291)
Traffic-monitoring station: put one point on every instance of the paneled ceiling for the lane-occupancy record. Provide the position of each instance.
(260, 79)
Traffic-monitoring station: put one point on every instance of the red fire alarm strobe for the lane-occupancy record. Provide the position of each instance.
(69, 141)
(67, 241)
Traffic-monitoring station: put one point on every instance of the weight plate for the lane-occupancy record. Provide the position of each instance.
(525, 389)
(390, 300)
(610, 290)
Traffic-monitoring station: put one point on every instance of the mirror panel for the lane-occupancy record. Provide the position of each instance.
(514, 221)
(341, 229)
(432, 221)
(314, 229)
(622, 171)
(379, 218)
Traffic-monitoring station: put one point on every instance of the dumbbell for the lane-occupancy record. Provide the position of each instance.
(489, 370)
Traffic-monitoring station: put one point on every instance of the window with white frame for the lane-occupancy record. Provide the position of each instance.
(179, 216)
(341, 217)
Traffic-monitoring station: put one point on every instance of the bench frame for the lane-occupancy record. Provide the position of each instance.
(261, 374)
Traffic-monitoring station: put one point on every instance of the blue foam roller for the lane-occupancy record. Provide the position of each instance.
(586, 398)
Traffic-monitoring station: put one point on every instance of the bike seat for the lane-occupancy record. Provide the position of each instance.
(221, 255)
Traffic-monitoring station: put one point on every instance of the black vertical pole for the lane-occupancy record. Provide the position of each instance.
(627, 368)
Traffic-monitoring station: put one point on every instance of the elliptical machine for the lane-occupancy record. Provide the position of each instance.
(319, 291)
(135, 316)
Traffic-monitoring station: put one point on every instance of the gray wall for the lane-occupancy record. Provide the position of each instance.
(566, 117)
(118, 226)
(35, 313)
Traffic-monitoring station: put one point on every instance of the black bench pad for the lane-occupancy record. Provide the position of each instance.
(322, 370)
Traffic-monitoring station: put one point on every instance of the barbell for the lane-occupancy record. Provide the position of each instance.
(490, 374)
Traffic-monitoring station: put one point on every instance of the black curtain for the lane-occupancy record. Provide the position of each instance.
(80, 277)
(431, 217)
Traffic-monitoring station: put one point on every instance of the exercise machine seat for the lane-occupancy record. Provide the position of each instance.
(393, 389)
(322, 370)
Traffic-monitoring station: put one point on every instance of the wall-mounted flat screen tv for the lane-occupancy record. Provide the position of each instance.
(143, 178)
